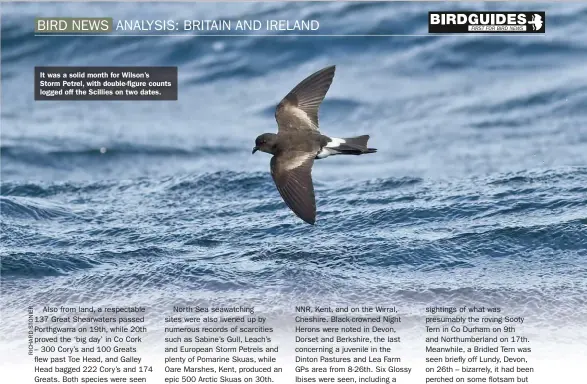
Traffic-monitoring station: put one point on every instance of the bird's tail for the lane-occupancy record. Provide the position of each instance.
(355, 146)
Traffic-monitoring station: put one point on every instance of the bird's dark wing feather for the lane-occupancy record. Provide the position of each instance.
(292, 174)
(299, 109)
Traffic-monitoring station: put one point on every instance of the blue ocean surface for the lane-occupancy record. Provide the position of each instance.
(478, 189)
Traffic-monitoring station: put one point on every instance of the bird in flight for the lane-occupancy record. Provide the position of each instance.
(298, 142)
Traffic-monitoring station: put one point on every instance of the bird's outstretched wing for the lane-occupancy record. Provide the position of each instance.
(292, 174)
(299, 109)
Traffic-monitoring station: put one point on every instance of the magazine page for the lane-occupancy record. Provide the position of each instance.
(293, 192)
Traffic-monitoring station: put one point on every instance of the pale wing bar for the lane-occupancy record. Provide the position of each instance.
(299, 109)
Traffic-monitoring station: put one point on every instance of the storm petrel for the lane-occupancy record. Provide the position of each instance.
(298, 142)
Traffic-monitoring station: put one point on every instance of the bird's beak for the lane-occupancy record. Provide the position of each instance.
(255, 150)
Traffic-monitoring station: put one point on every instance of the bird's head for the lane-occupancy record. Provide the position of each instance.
(266, 143)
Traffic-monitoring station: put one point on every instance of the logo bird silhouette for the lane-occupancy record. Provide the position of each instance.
(536, 22)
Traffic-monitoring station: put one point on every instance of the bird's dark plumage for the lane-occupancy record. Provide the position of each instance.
(298, 143)
(292, 174)
(299, 109)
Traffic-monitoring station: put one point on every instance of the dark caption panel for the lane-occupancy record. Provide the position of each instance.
(105, 83)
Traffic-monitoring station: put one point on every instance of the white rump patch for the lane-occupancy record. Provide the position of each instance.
(325, 152)
(334, 143)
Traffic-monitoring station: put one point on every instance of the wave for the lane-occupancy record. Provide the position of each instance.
(395, 222)
(33, 208)
(118, 150)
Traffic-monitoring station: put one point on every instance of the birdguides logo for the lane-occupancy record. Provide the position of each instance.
(486, 22)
